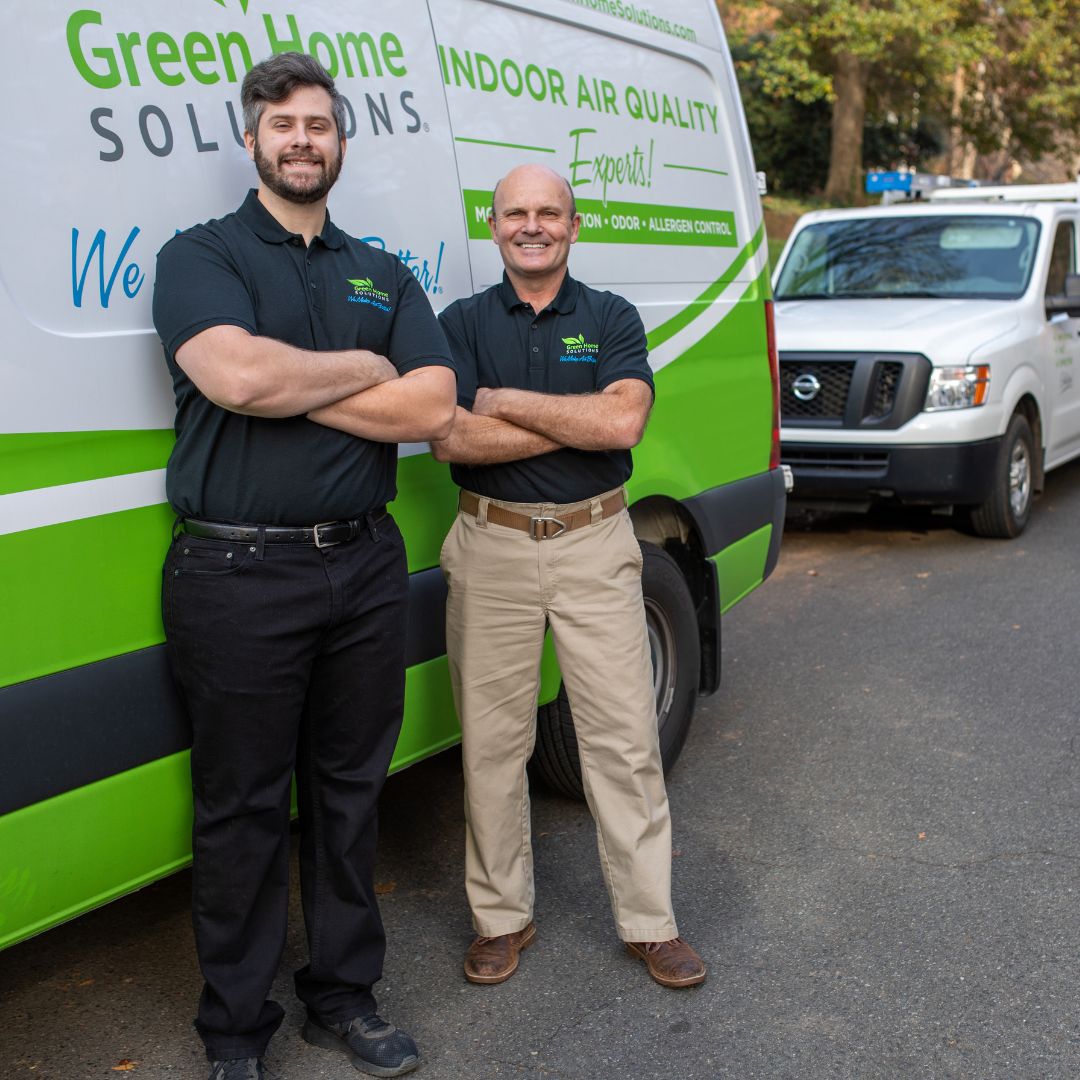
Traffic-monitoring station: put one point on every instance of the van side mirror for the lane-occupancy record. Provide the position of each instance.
(1068, 302)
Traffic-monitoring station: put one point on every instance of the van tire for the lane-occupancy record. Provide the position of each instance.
(674, 642)
(1005, 514)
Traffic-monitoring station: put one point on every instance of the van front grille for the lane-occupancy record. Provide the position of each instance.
(851, 390)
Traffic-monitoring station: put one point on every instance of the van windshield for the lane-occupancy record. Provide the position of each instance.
(958, 257)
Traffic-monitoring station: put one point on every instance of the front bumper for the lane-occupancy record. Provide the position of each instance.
(935, 474)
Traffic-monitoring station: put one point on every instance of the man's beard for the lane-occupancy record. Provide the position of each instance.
(298, 189)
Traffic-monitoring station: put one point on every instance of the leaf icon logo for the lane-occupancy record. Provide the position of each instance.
(360, 283)
(570, 341)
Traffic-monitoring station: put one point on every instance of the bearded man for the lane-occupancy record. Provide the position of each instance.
(300, 357)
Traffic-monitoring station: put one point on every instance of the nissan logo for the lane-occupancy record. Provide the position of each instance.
(806, 387)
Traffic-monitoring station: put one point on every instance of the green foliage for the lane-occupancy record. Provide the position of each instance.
(791, 137)
(1001, 73)
(1023, 96)
(906, 45)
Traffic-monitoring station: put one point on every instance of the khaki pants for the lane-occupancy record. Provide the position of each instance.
(504, 589)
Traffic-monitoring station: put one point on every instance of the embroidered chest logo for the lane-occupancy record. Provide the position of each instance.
(365, 292)
(576, 350)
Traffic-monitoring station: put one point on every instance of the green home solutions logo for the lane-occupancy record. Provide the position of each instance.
(365, 292)
(174, 91)
(578, 350)
(106, 55)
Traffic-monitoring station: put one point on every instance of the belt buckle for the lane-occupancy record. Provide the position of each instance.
(324, 543)
(538, 532)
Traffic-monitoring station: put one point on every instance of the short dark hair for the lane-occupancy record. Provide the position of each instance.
(274, 79)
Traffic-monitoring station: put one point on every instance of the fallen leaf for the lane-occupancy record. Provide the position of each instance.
(384, 887)
(924, 574)
(1016, 626)
(87, 982)
(125, 1065)
(922, 836)
(811, 573)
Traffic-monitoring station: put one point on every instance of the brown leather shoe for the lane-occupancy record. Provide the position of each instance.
(671, 963)
(494, 959)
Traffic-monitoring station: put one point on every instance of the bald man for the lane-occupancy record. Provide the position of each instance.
(554, 388)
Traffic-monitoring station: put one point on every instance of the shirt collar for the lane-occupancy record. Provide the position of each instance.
(267, 227)
(565, 300)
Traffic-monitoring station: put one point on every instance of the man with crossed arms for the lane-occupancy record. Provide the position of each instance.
(554, 388)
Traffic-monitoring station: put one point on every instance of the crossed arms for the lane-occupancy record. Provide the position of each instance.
(360, 392)
(354, 390)
(507, 424)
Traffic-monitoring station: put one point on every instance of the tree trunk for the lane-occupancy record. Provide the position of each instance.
(848, 116)
(961, 148)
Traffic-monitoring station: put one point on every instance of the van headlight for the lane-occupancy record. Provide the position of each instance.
(961, 387)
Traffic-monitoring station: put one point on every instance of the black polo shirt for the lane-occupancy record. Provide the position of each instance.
(246, 270)
(583, 341)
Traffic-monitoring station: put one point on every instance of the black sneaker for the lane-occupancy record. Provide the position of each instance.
(374, 1046)
(236, 1069)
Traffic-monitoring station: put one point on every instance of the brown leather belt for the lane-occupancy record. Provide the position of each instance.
(542, 527)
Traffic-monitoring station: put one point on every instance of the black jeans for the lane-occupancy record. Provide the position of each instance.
(292, 657)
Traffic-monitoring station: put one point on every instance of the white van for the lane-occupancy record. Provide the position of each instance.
(930, 351)
(131, 130)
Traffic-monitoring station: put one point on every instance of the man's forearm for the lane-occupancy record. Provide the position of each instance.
(415, 408)
(484, 440)
(610, 420)
(260, 376)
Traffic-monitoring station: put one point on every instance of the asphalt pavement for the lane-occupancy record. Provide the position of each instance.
(877, 852)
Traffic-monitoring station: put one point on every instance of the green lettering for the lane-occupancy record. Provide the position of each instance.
(534, 82)
(359, 43)
(227, 42)
(462, 67)
(280, 45)
(198, 50)
(391, 50)
(127, 43)
(102, 80)
(609, 97)
(583, 98)
(320, 40)
(575, 180)
(486, 76)
(510, 72)
(558, 86)
(161, 49)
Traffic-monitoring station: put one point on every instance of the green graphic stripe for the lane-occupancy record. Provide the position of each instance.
(699, 305)
(740, 566)
(85, 590)
(121, 833)
(89, 589)
(506, 145)
(682, 455)
(67, 855)
(66, 457)
(697, 168)
(627, 222)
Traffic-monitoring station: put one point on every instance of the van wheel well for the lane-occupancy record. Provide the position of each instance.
(1028, 407)
(667, 524)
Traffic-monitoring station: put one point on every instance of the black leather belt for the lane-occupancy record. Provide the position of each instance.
(325, 534)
